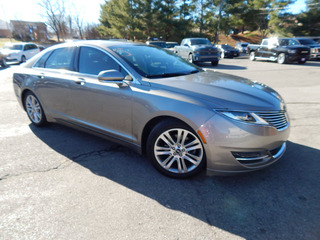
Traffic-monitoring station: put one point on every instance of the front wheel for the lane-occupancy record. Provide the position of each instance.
(190, 58)
(214, 63)
(252, 56)
(23, 59)
(34, 110)
(282, 58)
(175, 150)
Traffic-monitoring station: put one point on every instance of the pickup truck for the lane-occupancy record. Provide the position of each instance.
(282, 50)
(198, 50)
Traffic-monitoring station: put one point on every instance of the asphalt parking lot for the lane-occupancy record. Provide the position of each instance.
(58, 183)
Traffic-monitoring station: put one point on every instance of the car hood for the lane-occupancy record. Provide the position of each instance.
(202, 47)
(313, 46)
(297, 47)
(223, 91)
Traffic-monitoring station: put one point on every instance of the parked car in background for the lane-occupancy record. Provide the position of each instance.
(226, 51)
(314, 47)
(198, 50)
(170, 45)
(3, 62)
(41, 47)
(183, 118)
(282, 50)
(19, 52)
(242, 46)
(161, 44)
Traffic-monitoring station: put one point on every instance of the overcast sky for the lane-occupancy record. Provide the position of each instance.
(29, 10)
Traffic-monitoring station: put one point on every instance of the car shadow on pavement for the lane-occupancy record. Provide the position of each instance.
(279, 202)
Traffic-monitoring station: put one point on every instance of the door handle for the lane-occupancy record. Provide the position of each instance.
(41, 75)
(80, 81)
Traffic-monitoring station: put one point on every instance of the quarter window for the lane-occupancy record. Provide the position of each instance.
(93, 61)
(61, 58)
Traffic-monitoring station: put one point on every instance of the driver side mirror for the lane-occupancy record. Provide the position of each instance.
(112, 76)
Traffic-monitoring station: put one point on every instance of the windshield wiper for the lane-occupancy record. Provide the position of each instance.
(171, 74)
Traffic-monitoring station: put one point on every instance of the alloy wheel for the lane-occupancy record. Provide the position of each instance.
(33, 109)
(178, 151)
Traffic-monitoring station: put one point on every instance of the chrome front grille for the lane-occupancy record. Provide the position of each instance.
(277, 119)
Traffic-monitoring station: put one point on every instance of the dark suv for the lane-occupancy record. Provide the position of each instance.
(314, 47)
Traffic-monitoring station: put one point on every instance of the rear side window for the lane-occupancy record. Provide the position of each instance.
(61, 58)
(42, 60)
(93, 61)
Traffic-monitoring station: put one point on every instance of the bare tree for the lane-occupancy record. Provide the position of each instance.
(55, 13)
(79, 24)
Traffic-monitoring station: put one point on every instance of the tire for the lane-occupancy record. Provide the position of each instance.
(282, 58)
(34, 110)
(214, 63)
(302, 62)
(23, 59)
(252, 56)
(175, 150)
(3, 63)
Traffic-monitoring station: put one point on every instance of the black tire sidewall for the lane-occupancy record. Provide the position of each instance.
(155, 133)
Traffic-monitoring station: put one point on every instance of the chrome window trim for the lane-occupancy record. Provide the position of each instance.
(134, 78)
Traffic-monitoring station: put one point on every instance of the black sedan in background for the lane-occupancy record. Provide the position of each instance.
(228, 51)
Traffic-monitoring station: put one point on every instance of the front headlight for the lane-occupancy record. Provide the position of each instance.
(248, 117)
(292, 51)
(313, 50)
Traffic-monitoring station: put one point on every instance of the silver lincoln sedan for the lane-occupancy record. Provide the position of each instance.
(184, 118)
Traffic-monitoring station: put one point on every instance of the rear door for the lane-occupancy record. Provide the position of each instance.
(54, 76)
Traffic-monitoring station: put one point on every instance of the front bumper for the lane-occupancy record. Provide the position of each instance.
(205, 58)
(236, 147)
(297, 57)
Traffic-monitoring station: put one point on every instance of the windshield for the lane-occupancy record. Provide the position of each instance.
(226, 47)
(288, 42)
(159, 44)
(171, 45)
(200, 42)
(307, 42)
(153, 62)
(13, 47)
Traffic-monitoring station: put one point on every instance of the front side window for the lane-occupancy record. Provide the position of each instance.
(61, 58)
(93, 61)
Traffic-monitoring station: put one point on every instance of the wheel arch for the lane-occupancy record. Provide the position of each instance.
(153, 122)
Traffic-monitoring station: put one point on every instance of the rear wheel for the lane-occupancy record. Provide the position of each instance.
(252, 56)
(34, 110)
(175, 150)
(302, 61)
(282, 58)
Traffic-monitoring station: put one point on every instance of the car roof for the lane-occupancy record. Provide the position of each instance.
(96, 43)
